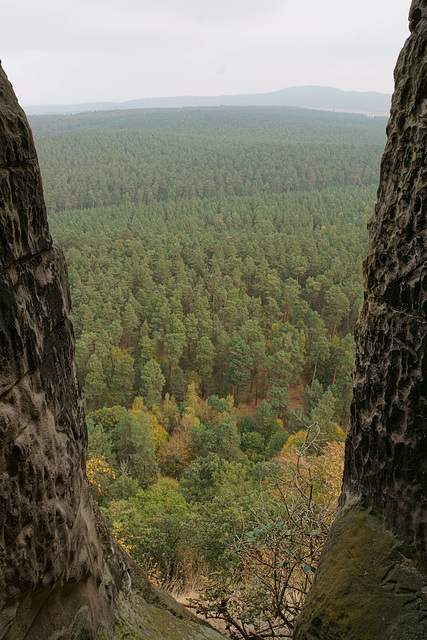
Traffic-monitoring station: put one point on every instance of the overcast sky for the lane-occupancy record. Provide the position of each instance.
(114, 50)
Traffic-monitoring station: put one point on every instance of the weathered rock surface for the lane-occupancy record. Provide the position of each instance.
(372, 579)
(61, 573)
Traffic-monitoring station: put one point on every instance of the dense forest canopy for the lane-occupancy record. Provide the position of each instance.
(215, 266)
(222, 245)
(143, 156)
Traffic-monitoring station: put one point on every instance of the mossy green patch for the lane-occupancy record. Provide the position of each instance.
(365, 588)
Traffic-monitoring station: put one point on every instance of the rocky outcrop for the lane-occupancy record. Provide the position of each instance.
(372, 580)
(61, 573)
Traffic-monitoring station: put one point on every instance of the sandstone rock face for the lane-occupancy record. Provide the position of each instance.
(61, 573)
(386, 454)
(372, 580)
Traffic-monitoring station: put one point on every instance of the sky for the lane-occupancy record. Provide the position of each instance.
(58, 52)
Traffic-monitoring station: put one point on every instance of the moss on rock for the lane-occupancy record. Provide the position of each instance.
(365, 588)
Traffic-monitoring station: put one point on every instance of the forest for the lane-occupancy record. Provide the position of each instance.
(215, 259)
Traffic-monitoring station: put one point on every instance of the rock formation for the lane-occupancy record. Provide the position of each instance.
(372, 579)
(61, 573)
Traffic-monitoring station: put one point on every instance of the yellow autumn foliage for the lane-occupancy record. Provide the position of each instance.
(141, 414)
(294, 441)
(189, 419)
(100, 475)
(322, 472)
(158, 433)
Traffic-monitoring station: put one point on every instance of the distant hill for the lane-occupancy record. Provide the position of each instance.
(309, 97)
